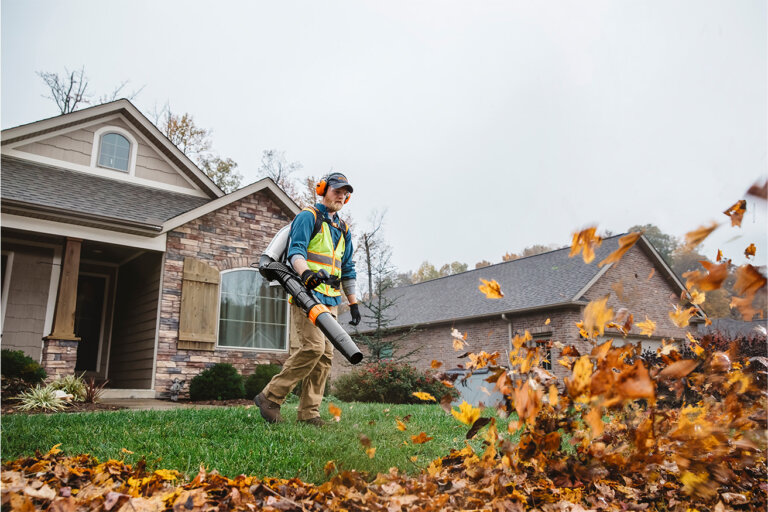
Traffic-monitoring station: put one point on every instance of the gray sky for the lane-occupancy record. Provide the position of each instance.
(481, 127)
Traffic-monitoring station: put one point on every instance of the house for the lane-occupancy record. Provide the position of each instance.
(545, 295)
(122, 259)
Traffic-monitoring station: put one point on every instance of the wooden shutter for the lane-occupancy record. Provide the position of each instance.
(199, 304)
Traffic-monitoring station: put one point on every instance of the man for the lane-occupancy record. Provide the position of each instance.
(320, 251)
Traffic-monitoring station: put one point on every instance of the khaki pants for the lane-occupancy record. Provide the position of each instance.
(309, 363)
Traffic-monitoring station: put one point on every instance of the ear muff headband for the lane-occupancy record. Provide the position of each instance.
(322, 188)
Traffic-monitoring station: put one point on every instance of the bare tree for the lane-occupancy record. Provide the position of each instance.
(117, 93)
(274, 165)
(69, 90)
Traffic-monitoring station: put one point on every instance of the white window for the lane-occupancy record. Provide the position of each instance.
(544, 344)
(114, 151)
(252, 314)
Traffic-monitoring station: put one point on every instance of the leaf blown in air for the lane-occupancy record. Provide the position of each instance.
(585, 242)
(491, 289)
(625, 243)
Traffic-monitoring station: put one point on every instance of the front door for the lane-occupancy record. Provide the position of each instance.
(89, 320)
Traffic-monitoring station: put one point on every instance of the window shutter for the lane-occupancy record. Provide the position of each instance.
(199, 303)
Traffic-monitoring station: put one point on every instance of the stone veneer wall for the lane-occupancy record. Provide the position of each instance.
(59, 358)
(230, 237)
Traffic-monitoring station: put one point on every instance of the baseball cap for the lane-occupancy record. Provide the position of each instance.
(338, 180)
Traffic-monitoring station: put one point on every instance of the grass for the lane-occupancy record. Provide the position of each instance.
(236, 440)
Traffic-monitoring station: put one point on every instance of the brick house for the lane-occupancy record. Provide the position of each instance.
(549, 286)
(122, 259)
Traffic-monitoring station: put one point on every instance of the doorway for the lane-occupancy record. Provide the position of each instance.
(89, 320)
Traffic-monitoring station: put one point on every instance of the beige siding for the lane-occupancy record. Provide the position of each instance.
(27, 299)
(76, 147)
(133, 337)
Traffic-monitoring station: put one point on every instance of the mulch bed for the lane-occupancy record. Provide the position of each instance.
(223, 403)
(11, 406)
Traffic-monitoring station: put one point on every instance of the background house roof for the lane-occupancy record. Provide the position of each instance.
(543, 280)
(32, 185)
(735, 328)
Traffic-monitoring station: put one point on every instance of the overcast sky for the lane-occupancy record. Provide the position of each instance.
(481, 127)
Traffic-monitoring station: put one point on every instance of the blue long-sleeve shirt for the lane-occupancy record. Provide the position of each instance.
(301, 233)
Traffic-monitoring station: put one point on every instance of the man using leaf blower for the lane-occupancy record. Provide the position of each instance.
(320, 251)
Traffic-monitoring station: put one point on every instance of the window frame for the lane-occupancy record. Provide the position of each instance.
(6, 285)
(132, 151)
(251, 349)
(538, 341)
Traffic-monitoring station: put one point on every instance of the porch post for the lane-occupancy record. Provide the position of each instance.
(66, 299)
(60, 347)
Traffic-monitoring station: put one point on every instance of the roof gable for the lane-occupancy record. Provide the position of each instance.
(70, 141)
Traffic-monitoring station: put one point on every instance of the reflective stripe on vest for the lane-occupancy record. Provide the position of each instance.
(322, 255)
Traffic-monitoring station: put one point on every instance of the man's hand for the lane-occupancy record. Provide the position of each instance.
(354, 310)
(313, 279)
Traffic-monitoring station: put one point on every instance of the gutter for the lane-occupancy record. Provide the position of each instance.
(57, 214)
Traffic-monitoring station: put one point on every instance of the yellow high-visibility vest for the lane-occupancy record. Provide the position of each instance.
(321, 254)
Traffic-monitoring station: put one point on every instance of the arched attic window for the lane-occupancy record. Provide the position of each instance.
(114, 151)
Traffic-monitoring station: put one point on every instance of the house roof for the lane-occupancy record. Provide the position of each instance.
(546, 280)
(735, 328)
(125, 108)
(58, 193)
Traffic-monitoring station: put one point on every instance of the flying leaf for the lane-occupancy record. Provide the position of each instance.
(476, 426)
(719, 255)
(711, 280)
(546, 322)
(736, 212)
(750, 251)
(400, 425)
(335, 412)
(491, 289)
(585, 242)
(650, 275)
(456, 334)
(758, 190)
(745, 307)
(436, 364)
(697, 297)
(421, 438)
(485, 390)
(596, 315)
(329, 467)
(695, 237)
(421, 395)
(748, 280)
(625, 243)
(553, 395)
(681, 317)
(466, 413)
(458, 344)
(445, 403)
(679, 369)
(594, 419)
(635, 382)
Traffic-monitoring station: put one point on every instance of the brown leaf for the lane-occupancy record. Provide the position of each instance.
(364, 440)
(329, 467)
(421, 438)
(748, 280)
(705, 282)
(679, 369)
(758, 190)
(445, 403)
(750, 251)
(625, 243)
(736, 212)
(476, 426)
(635, 382)
(695, 237)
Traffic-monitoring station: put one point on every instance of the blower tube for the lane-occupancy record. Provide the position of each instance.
(317, 313)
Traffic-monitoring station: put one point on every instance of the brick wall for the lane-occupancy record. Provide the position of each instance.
(232, 237)
(642, 295)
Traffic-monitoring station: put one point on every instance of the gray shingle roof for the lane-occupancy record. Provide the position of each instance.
(71, 191)
(536, 281)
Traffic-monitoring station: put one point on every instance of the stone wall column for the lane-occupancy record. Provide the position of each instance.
(59, 357)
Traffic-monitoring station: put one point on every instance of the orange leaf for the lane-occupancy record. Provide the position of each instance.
(596, 315)
(736, 212)
(421, 438)
(750, 251)
(745, 307)
(698, 297)
(491, 289)
(547, 321)
(553, 396)
(625, 243)
(679, 369)
(712, 280)
(634, 382)
(421, 395)
(748, 280)
(695, 237)
(585, 242)
(400, 425)
(436, 364)
(719, 255)
(335, 412)
(594, 419)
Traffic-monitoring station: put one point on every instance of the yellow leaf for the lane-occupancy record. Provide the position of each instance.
(625, 243)
(167, 474)
(421, 395)
(329, 467)
(335, 412)
(414, 458)
(371, 452)
(458, 344)
(585, 242)
(466, 413)
(596, 315)
(698, 297)
(124, 450)
(400, 425)
(681, 317)
(647, 327)
(553, 396)
(436, 364)
(491, 289)
(55, 450)
(547, 321)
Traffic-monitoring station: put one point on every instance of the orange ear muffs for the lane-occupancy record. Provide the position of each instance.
(321, 187)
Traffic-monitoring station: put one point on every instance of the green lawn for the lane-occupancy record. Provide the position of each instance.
(236, 440)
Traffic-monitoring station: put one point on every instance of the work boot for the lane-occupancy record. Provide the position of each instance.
(269, 410)
(316, 422)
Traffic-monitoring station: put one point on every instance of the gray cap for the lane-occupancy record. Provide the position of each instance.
(338, 180)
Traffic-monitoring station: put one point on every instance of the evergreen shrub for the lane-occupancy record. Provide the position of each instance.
(14, 364)
(388, 382)
(219, 382)
(257, 381)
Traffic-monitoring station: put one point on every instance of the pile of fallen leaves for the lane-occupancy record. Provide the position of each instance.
(599, 440)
